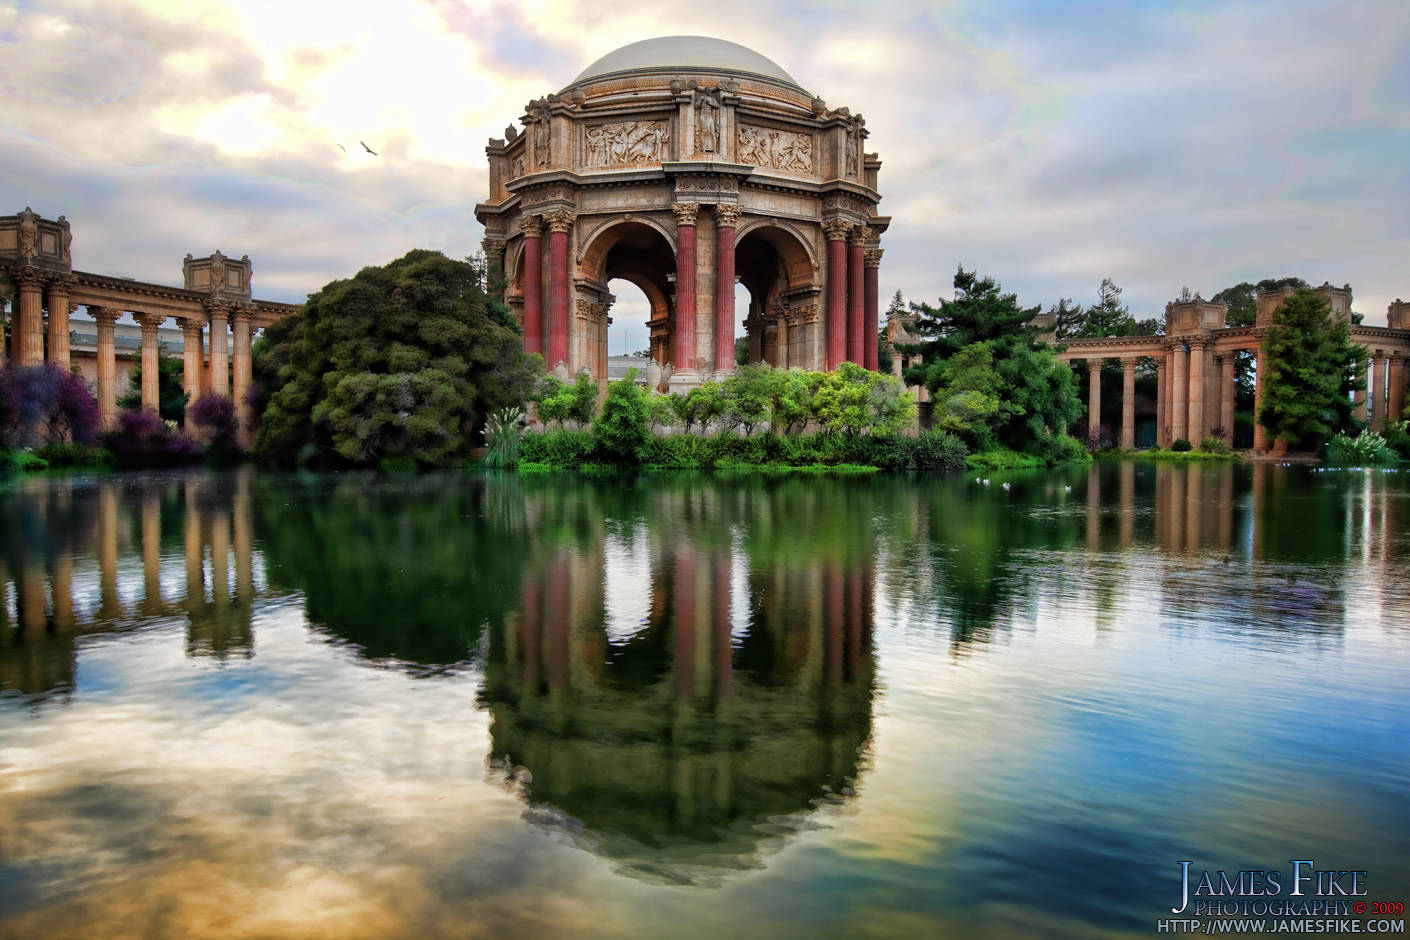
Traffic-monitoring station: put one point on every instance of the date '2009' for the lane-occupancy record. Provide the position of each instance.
(1379, 907)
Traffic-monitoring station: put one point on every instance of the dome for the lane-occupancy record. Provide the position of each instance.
(683, 52)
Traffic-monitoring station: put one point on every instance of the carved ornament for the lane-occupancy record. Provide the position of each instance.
(872, 257)
(516, 166)
(560, 220)
(857, 238)
(780, 150)
(685, 212)
(836, 230)
(727, 215)
(531, 226)
(625, 143)
(29, 233)
(707, 120)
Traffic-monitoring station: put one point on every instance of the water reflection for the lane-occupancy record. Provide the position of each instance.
(87, 560)
(688, 744)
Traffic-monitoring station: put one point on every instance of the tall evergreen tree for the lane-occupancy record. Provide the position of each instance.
(1313, 368)
(171, 398)
(1037, 389)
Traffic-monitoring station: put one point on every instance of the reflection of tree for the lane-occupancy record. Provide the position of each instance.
(680, 749)
(407, 570)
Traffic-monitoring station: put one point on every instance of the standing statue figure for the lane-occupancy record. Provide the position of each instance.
(29, 233)
(541, 139)
(707, 125)
(853, 155)
(217, 272)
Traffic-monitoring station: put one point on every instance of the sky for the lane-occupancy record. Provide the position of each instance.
(1050, 145)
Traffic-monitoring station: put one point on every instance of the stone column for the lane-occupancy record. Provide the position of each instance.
(28, 326)
(685, 284)
(493, 246)
(1162, 400)
(219, 382)
(559, 286)
(1128, 403)
(1377, 394)
(1360, 405)
(151, 389)
(107, 365)
(871, 323)
(1260, 433)
(726, 218)
(782, 340)
(59, 310)
(532, 226)
(193, 359)
(1094, 401)
(1397, 387)
(240, 325)
(1226, 395)
(856, 302)
(1179, 388)
(836, 322)
(1195, 425)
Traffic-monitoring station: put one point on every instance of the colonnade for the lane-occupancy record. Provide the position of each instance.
(851, 311)
(51, 588)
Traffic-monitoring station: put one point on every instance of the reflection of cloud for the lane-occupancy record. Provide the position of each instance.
(1169, 145)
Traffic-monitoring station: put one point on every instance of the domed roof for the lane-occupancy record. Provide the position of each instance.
(667, 52)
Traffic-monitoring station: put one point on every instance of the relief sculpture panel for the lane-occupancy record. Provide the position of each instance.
(780, 150)
(625, 143)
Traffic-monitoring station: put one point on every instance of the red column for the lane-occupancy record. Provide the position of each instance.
(558, 225)
(532, 227)
(685, 284)
(836, 231)
(856, 256)
(871, 325)
(726, 217)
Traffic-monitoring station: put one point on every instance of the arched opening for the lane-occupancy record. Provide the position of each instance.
(638, 254)
(769, 262)
(628, 333)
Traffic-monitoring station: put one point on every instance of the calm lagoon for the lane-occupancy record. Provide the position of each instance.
(447, 706)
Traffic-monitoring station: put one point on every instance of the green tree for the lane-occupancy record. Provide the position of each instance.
(1038, 390)
(624, 427)
(399, 362)
(851, 400)
(171, 398)
(747, 397)
(741, 350)
(791, 398)
(967, 399)
(1313, 368)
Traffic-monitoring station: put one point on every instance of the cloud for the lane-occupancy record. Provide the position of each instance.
(1050, 146)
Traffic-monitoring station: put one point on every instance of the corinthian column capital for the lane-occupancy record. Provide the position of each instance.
(872, 257)
(727, 215)
(561, 220)
(531, 226)
(685, 212)
(836, 230)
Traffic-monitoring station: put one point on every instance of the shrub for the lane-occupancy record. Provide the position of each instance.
(73, 455)
(1398, 437)
(1213, 445)
(1366, 449)
(503, 432)
(143, 440)
(45, 402)
(1180, 445)
(560, 449)
(214, 415)
(624, 427)
(1056, 449)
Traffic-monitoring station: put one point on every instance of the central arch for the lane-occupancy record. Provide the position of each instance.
(639, 253)
(775, 267)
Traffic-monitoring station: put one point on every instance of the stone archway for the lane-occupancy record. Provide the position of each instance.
(776, 268)
(637, 252)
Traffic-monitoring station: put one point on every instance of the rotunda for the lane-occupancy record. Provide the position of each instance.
(683, 164)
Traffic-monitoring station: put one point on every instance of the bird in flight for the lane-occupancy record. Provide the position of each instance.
(342, 148)
(367, 148)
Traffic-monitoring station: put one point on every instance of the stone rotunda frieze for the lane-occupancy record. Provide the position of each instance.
(682, 165)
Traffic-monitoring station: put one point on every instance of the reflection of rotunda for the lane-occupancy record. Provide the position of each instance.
(681, 164)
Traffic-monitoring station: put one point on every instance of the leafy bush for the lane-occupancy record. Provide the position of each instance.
(214, 416)
(560, 449)
(1180, 445)
(1004, 459)
(624, 426)
(45, 402)
(1213, 445)
(74, 455)
(143, 440)
(1367, 449)
(1398, 437)
(1056, 449)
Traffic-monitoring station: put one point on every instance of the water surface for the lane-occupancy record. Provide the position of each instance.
(253, 706)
